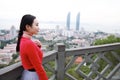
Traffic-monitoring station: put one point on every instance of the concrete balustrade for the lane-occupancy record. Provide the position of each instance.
(59, 57)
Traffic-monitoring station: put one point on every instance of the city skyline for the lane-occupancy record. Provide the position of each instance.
(103, 13)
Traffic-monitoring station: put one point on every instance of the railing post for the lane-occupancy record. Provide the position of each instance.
(60, 61)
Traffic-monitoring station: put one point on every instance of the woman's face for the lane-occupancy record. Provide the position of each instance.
(34, 29)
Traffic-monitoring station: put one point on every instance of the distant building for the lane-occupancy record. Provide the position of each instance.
(13, 32)
(68, 21)
(6, 53)
(67, 33)
(8, 35)
(5, 58)
(78, 22)
(57, 28)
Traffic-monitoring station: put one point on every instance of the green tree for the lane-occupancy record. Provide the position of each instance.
(14, 56)
(109, 39)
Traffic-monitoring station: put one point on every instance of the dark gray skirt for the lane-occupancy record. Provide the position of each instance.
(28, 75)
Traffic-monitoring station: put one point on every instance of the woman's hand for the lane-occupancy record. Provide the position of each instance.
(37, 42)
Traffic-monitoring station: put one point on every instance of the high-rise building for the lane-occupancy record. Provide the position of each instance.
(68, 21)
(78, 22)
(13, 32)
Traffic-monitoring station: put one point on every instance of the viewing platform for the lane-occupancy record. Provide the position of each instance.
(101, 62)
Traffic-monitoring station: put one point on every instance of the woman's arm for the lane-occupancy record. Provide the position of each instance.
(36, 61)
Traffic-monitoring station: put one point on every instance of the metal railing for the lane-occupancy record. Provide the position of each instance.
(100, 62)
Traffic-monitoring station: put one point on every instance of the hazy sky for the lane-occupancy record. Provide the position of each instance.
(105, 12)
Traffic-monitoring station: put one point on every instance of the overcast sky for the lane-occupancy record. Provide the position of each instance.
(105, 12)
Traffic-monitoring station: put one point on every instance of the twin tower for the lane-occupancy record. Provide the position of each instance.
(77, 21)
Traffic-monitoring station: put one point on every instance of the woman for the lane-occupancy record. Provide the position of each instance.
(30, 53)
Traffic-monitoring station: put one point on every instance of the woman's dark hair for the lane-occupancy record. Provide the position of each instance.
(26, 20)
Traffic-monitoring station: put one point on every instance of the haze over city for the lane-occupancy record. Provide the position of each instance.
(94, 14)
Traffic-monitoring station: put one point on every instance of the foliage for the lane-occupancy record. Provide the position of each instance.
(5, 42)
(3, 65)
(109, 39)
(15, 56)
(2, 44)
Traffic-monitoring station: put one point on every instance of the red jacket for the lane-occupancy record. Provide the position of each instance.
(31, 57)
